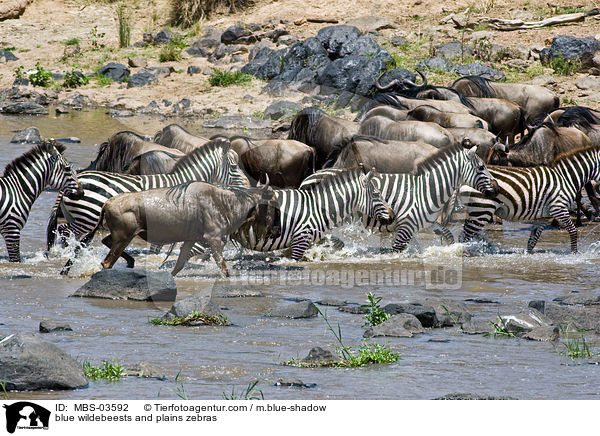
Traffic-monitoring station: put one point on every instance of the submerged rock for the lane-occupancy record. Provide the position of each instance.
(130, 284)
(50, 326)
(425, 314)
(30, 135)
(461, 396)
(579, 318)
(29, 363)
(403, 325)
(319, 356)
(301, 309)
(294, 382)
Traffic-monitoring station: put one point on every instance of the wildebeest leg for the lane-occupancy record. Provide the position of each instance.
(563, 218)
(444, 232)
(216, 248)
(184, 256)
(12, 238)
(117, 249)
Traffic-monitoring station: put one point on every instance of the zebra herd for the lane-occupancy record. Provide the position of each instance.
(402, 204)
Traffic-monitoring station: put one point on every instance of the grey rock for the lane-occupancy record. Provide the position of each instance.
(543, 333)
(226, 291)
(163, 37)
(581, 50)
(281, 108)
(403, 325)
(7, 56)
(138, 62)
(130, 284)
(355, 74)
(193, 69)
(201, 303)
(584, 298)
(50, 326)
(198, 52)
(143, 77)
(29, 135)
(332, 302)
(450, 313)
(161, 72)
(234, 34)
(334, 37)
(425, 314)
(477, 326)
(145, 370)
(399, 74)
(355, 309)
(77, 100)
(24, 108)
(478, 69)
(29, 363)
(294, 382)
(435, 64)
(121, 113)
(211, 38)
(399, 41)
(287, 40)
(70, 140)
(371, 22)
(301, 309)
(525, 321)
(266, 63)
(365, 46)
(21, 81)
(318, 355)
(237, 122)
(452, 50)
(588, 82)
(265, 43)
(542, 80)
(117, 72)
(461, 396)
(579, 318)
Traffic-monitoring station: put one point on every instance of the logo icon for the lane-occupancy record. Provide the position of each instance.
(26, 415)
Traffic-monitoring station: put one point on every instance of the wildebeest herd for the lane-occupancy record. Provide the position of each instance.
(413, 152)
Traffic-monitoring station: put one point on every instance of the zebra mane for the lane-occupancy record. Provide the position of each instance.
(206, 149)
(430, 161)
(568, 154)
(44, 146)
(482, 83)
(333, 176)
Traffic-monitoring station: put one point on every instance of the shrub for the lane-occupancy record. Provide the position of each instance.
(106, 370)
(41, 77)
(188, 12)
(73, 79)
(564, 67)
(227, 78)
(72, 41)
(124, 26)
(375, 315)
(169, 52)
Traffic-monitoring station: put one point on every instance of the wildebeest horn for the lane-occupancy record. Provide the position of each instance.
(413, 84)
(388, 86)
(550, 119)
(500, 147)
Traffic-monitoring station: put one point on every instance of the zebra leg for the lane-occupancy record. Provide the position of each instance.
(184, 256)
(299, 246)
(536, 231)
(12, 239)
(444, 232)
(473, 226)
(564, 220)
(593, 197)
(402, 238)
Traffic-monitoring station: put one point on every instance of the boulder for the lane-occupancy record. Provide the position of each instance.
(365, 46)
(161, 72)
(449, 313)
(266, 63)
(29, 363)
(452, 50)
(580, 50)
(163, 37)
(117, 72)
(435, 64)
(309, 53)
(579, 318)
(221, 291)
(332, 302)
(543, 333)
(399, 74)
(370, 22)
(334, 37)
(300, 309)
(30, 135)
(287, 40)
(78, 100)
(588, 82)
(7, 56)
(129, 284)
(236, 33)
(525, 321)
(425, 314)
(281, 108)
(24, 108)
(12, 8)
(211, 38)
(355, 74)
(575, 297)
(138, 62)
(318, 355)
(399, 41)
(478, 69)
(201, 303)
(237, 122)
(143, 77)
(353, 308)
(403, 325)
(477, 326)
(193, 69)
(50, 326)
(198, 52)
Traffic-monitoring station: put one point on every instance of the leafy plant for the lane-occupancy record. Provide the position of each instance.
(193, 319)
(74, 79)
(180, 389)
(103, 80)
(500, 329)
(564, 67)
(71, 41)
(124, 26)
(109, 371)
(95, 38)
(227, 78)
(375, 315)
(19, 72)
(41, 76)
(248, 394)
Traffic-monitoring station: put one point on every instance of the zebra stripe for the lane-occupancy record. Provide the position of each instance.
(214, 163)
(417, 199)
(534, 194)
(23, 181)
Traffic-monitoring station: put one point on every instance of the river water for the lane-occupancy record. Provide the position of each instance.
(213, 360)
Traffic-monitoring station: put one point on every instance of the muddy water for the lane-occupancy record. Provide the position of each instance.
(212, 360)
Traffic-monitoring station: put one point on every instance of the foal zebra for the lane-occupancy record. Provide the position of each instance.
(24, 180)
(418, 199)
(213, 163)
(534, 194)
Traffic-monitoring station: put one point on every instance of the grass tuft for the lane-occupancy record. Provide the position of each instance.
(564, 67)
(248, 394)
(193, 319)
(188, 12)
(228, 78)
(71, 41)
(106, 370)
(500, 329)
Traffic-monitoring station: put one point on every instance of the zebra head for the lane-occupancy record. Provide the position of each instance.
(474, 173)
(62, 176)
(231, 173)
(373, 204)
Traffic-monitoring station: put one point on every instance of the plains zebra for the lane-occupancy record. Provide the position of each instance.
(418, 199)
(534, 194)
(305, 215)
(214, 162)
(24, 180)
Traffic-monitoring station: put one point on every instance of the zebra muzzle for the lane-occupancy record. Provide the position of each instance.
(76, 195)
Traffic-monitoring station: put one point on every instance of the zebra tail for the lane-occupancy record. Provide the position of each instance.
(52, 226)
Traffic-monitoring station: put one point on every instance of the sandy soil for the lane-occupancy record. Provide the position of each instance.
(39, 35)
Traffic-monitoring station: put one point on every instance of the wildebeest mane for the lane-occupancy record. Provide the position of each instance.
(44, 146)
(114, 154)
(527, 137)
(337, 151)
(482, 83)
(389, 100)
(304, 125)
(578, 116)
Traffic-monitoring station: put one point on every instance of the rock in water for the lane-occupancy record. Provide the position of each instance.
(26, 107)
(130, 284)
(28, 363)
(302, 309)
(30, 135)
(200, 303)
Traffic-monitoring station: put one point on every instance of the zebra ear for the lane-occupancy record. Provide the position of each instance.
(370, 175)
(472, 152)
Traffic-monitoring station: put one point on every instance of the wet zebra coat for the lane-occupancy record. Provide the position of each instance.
(418, 199)
(213, 163)
(534, 194)
(23, 181)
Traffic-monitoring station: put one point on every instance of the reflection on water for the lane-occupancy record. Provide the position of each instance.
(213, 359)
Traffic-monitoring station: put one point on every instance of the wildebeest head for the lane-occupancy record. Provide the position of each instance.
(264, 217)
(475, 174)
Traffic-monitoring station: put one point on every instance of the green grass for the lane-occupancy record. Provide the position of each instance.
(559, 10)
(500, 329)
(123, 17)
(106, 371)
(193, 319)
(42, 77)
(375, 315)
(564, 67)
(577, 348)
(73, 80)
(249, 394)
(71, 41)
(102, 80)
(4, 393)
(169, 53)
(228, 78)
